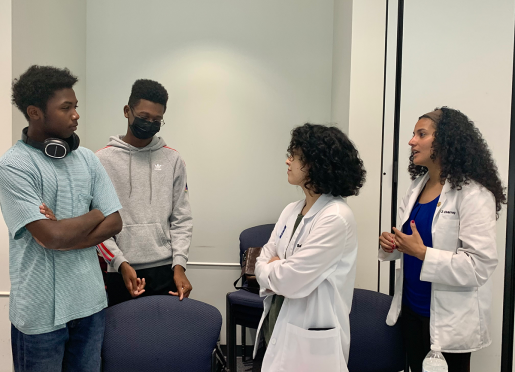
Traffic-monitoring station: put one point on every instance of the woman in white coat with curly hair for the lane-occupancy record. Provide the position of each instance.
(307, 268)
(445, 240)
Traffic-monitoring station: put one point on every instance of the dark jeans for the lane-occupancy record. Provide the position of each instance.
(75, 348)
(415, 331)
(159, 281)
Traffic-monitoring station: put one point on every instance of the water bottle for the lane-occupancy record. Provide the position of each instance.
(434, 361)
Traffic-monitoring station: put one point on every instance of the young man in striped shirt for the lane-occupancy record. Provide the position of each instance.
(57, 294)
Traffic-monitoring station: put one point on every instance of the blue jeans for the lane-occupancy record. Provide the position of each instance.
(76, 347)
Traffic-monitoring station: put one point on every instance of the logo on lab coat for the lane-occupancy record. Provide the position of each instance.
(447, 212)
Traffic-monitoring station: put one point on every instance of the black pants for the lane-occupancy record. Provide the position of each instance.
(257, 362)
(159, 281)
(415, 332)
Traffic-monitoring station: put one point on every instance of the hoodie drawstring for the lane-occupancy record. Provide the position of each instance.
(156, 144)
(150, 175)
(130, 172)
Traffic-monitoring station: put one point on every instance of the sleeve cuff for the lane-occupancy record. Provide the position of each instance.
(383, 256)
(110, 211)
(430, 264)
(17, 231)
(263, 292)
(117, 261)
(179, 260)
(264, 274)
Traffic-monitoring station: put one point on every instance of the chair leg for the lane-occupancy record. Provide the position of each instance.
(221, 356)
(214, 361)
(230, 335)
(218, 362)
(243, 344)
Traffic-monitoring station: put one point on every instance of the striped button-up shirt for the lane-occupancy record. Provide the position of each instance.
(49, 287)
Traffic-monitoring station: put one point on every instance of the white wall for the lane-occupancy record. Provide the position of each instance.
(5, 140)
(342, 51)
(240, 75)
(365, 127)
(388, 134)
(460, 54)
(5, 143)
(51, 32)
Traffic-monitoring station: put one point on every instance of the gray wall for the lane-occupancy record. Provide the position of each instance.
(240, 75)
(51, 32)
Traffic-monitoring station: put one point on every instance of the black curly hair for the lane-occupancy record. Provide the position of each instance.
(464, 155)
(38, 84)
(334, 165)
(150, 90)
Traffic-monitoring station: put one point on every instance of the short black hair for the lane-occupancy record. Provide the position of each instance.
(38, 84)
(334, 165)
(150, 90)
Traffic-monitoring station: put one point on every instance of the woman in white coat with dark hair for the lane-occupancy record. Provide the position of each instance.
(307, 268)
(445, 240)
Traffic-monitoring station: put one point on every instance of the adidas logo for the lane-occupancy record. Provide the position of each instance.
(158, 167)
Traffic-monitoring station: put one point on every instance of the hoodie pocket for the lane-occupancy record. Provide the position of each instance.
(144, 243)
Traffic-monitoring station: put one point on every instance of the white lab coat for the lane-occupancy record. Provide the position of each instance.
(317, 281)
(459, 265)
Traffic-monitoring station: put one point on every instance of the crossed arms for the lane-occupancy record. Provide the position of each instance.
(80, 232)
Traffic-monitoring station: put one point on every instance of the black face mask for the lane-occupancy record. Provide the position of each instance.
(143, 129)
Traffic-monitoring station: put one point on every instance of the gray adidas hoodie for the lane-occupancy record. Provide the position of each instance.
(151, 185)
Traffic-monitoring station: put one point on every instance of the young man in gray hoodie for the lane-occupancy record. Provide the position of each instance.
(149, 255)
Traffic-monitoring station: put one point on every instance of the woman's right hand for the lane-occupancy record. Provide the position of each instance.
(387, 242)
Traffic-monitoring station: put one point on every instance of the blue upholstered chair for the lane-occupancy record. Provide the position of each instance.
(374, 346)
(161, 333)
(244, 308)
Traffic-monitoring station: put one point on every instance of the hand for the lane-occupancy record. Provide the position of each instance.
(274, 259)
(387, 242)
(181, 282)
(134, 285)
(47, 212)
(410, 244)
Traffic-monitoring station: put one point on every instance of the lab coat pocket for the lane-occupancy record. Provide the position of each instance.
(447, 233)
(456, 318)
(305, 350)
